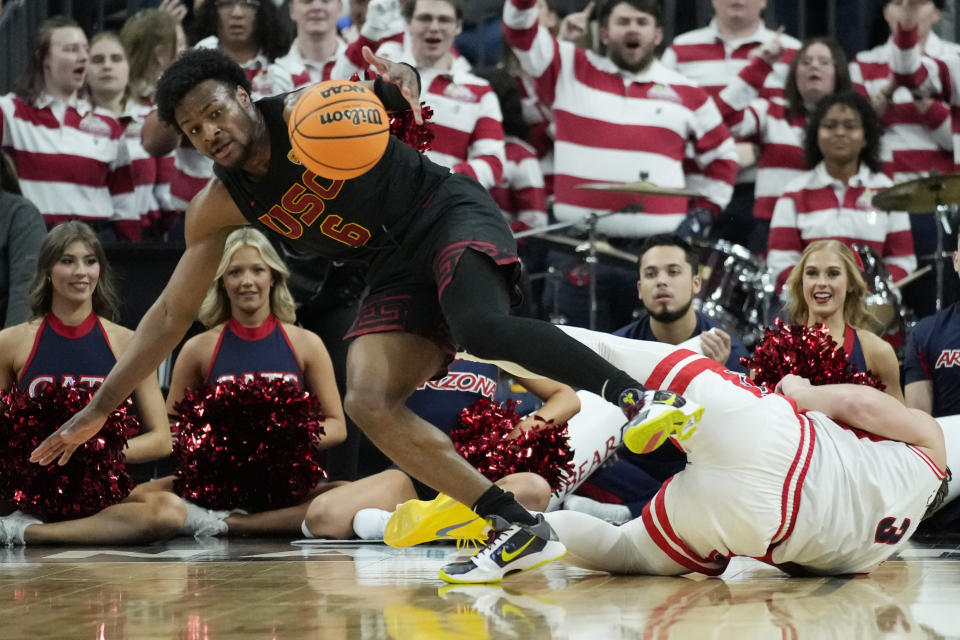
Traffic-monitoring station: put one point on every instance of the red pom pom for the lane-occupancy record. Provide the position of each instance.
(249, 445)
(403, 126)
(418, 136)
(481, 438)
(804, 351)
(93, 479)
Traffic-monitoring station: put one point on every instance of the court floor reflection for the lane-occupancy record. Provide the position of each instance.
(272, 590)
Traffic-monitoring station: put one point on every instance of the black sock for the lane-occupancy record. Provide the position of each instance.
(502, 503)
(476, 305)
(616, 385)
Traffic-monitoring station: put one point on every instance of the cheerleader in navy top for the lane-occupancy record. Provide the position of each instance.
(244, 352)
(827, 287)
(67, 355)
(70, 342)
(251, 312)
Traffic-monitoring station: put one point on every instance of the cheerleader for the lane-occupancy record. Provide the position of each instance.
(71, 341)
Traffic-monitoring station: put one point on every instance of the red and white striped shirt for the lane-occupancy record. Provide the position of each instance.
(73, 163)
(938, 76)
(817, 206)
(143, 167)
(913, 143)
(520, 194)
(540, 127)
(712, 62)
(766, 122)
(293, 71)
(193, 169)
(395, 47)
(612, 125)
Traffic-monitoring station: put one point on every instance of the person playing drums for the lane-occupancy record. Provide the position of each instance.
(826, 287)
(833, 199)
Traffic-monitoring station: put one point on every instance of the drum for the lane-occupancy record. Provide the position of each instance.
(735, 289)
(883, 298)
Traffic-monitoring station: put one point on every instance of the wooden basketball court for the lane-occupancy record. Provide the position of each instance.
(264, 589)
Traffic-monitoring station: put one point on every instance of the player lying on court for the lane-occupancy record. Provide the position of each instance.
(441, 267)
(814, 480)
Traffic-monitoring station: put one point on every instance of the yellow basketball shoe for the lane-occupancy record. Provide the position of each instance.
(655, 416)
(418, 521)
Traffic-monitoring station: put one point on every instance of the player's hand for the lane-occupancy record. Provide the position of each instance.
(790, 385)
(715, 344)
(574, 25)
(772, 50)
(65, 440)
(400, 75)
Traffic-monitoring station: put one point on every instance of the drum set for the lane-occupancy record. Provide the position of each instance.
(737, 291)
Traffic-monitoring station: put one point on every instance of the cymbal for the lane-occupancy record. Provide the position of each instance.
(601, 246)
(921, 195)
(642, 187)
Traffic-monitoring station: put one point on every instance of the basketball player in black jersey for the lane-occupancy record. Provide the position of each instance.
(442, 271)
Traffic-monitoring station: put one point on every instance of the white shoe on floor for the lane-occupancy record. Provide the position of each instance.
(369, 524)
(612, 513)
(202, 522)
(13, 526)
(510, 548)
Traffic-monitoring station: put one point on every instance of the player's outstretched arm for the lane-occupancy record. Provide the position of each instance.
(871, 410)
(402, 75)
(210, 218)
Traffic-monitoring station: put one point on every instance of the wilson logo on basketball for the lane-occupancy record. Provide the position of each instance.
(356, 116)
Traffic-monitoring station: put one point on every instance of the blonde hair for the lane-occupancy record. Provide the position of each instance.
(141, 34)
(855, 311)
(216, 305)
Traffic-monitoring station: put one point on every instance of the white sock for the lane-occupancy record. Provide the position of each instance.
(202, 522)
(612, 513)
(369, 524)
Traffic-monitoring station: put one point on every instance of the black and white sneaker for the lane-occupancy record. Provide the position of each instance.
(510, 548)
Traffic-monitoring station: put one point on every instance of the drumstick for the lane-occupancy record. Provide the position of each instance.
(900, 284)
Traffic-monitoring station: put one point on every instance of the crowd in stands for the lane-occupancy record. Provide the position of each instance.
(780, 146)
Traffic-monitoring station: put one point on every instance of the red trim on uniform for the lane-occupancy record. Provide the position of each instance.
(286, 338)
(72, 331)
(216, 352)
(849, 333)
(930, 463)
(785, 493)
(801, 476)
(33, 351)
(664, 367)
(106, 338)
(683, 379)
(658, 534)
(251, 334)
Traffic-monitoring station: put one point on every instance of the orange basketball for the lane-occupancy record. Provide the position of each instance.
(339, 129)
